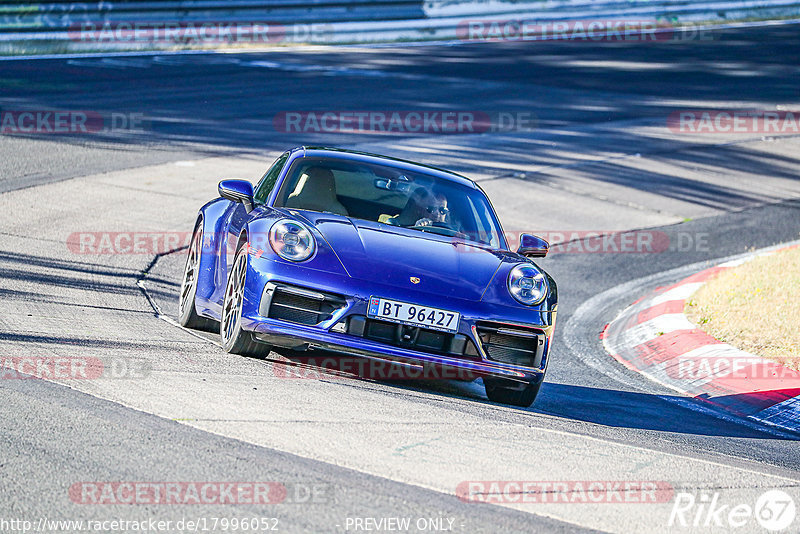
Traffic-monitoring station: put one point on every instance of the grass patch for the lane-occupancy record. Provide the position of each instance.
(754, 307)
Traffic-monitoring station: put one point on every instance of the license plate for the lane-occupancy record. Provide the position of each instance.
(413, 314)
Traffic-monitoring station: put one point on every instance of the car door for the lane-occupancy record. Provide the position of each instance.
(236, 218)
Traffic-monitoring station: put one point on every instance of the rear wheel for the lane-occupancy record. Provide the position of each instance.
(234, 339)
(506, 392)
(187, 313)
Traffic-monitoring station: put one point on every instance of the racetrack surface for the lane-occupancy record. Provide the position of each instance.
(600, 158)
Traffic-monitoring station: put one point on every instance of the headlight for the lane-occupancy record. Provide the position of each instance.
(527, 284)
(291, 240)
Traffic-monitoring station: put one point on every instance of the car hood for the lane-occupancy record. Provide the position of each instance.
(384, 254)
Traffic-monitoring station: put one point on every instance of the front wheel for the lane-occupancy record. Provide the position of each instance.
(187, 312)
(504, 392)
(234, 339)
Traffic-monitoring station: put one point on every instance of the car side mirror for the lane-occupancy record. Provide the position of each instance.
(237, 191)
(532, 246)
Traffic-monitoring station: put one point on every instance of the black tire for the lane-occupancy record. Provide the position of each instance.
(234, 339)
(501, 391)
(187, 313)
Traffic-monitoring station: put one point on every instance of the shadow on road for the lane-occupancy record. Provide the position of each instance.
(607, 407)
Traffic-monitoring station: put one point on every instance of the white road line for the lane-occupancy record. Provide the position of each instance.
(657, 326)
(682, 292)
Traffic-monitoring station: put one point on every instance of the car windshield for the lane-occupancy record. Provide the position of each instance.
(390, 195)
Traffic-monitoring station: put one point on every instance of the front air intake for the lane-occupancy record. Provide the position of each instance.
(299, 305)
(512, 344)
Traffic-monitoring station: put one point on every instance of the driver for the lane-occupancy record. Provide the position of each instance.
(436, 212)
(414, 209)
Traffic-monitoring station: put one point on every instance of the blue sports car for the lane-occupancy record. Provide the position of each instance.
(372, 257)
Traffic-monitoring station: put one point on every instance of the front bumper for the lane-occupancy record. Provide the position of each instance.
(356, 293)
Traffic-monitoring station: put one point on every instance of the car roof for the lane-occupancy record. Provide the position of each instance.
(366, 157)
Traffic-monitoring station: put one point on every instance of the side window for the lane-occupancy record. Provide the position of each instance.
(266, 184)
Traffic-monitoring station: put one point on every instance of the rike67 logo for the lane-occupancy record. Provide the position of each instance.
(774, 510)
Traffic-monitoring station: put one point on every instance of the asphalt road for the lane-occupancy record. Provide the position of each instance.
(598, 156)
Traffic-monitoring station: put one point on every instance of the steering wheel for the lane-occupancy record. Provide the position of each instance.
(440, 229)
